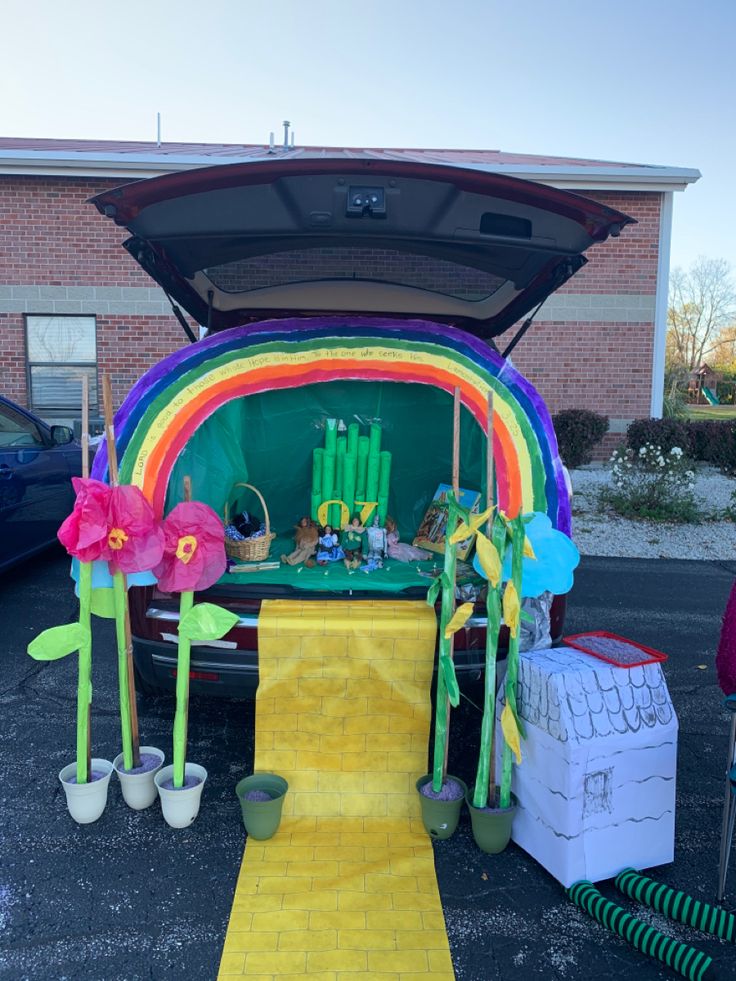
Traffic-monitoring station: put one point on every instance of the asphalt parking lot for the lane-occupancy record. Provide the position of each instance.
(128, 898)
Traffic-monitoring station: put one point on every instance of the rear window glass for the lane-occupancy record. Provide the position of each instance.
(360, 264)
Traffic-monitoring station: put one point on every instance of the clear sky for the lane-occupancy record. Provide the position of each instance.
(645, 81)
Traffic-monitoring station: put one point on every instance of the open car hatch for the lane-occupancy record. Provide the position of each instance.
(286, 237)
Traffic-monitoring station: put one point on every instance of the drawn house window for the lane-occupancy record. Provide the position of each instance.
(60, 350)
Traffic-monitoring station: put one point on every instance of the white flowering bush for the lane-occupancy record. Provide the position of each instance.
(653, 484)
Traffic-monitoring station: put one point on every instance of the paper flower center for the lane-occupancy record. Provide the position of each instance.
(116, 538)
(185, 548)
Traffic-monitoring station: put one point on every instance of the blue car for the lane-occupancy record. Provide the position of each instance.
(37, 463)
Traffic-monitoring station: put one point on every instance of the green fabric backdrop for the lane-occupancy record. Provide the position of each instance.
(268, 441)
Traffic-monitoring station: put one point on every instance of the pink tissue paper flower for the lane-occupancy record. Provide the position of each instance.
(194, 549)
(84, 533)
(134, 540)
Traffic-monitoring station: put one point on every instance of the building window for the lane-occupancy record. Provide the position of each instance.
(60, 351)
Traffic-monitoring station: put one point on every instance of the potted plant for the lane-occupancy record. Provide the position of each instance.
(492, 808)
(193, 559)
(261, 797)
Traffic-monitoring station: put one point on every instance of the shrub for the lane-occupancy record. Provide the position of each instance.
(664, 433)
(578, 431)
(705, 436)
(652, 484)
(723, 447)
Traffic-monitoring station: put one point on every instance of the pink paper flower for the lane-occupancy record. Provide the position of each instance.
(84, 533)
(194, 549)
(134, 541)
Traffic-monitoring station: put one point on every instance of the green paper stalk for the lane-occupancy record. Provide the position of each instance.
(382, 509)
(181, 718)
(384, 473)
(361, 477)
(330, 436)
(512, 666)
(121, 603)
(349, 476)
(314, 510)
(483, 782)
(337, 491)
(84, 676)
(328, 477)
(317, 469)
(373, 469)
(442, 712)
(353, 433)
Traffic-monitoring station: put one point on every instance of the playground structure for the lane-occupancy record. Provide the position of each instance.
(703, 384)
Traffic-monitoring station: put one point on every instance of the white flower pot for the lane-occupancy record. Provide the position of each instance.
(139, 790)
(180, 807)
(86, 801)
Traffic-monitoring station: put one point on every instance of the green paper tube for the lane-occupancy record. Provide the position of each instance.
(330, 435)
(374, 464)
(84, 683)
(353, 433)
(342, 445)
(316, 501)
(317, 469)
(360, 479)
(384, 474)
(512, 659)
(126, 731)
(328, 475)
(349, 477)
(181, 718)
(444, 649)
(382, 509)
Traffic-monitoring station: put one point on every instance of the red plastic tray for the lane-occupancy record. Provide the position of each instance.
(578, 642)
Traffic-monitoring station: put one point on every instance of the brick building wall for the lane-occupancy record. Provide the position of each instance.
(591, 345)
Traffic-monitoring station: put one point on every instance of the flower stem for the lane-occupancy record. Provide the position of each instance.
(181, 719)
(120, 597)
(84, 683)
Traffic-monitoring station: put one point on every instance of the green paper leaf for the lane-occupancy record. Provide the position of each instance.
(57, 642)
(433, 592)
(206, 621)
(448, 673)
(103, 603)
(527, 617)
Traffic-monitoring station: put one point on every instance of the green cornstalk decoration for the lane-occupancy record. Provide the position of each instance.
(512, 617)
(57, 642)
(447, 687)
(484, 793)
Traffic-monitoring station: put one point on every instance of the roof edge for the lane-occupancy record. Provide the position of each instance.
(49, 163)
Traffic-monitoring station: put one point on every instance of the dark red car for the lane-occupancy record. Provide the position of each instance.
(349, 234)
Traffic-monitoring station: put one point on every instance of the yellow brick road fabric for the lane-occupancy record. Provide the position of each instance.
(346, 890)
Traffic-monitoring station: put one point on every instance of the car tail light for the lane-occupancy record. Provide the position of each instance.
(200, 675)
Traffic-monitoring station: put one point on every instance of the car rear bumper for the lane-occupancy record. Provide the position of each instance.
(234, 673)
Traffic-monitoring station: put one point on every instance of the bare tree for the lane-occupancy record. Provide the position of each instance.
(702, 303)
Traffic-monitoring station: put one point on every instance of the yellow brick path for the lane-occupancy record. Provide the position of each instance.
(346, 890)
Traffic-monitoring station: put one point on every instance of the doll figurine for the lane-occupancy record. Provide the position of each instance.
(352, 543)
(377, 545)
(306, 537)
(329, 548)
(400, 550)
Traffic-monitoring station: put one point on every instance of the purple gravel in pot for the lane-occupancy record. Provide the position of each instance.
(96, 775)
(257, 795)
(450, 790)
(149, 761)
(189, 781)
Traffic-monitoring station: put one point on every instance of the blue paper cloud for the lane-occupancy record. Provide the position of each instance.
(102, 579)
(556, 558)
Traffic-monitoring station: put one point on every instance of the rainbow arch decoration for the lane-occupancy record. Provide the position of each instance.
(168, 404)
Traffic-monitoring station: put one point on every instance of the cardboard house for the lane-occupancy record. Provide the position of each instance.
(596, 787)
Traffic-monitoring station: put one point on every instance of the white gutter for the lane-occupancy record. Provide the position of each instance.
(661, 305)
(131, 166)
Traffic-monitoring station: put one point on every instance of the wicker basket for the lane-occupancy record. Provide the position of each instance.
(252, 549)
